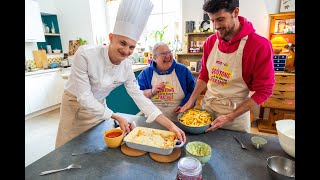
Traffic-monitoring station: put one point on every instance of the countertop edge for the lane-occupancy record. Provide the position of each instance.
(42, 71)
(135, 68)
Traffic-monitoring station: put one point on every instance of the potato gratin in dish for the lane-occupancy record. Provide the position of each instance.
(152, 140)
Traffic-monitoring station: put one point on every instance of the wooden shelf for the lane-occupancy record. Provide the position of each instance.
(51, 34)
(282, 14)
(190, 54)
(201, 33)
(48, 54)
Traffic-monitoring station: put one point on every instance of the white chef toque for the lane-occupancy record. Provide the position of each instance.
(132, 17)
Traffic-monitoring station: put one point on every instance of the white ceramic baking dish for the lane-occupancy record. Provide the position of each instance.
(129, 141)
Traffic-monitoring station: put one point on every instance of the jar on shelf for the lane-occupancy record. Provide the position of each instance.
(189, 168)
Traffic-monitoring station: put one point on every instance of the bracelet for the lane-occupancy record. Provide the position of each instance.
(151, 92)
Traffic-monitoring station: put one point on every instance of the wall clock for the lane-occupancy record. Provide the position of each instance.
(287, 5)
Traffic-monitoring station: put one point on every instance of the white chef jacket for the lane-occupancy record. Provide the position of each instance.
(93, 77)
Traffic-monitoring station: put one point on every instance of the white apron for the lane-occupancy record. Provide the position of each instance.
(226, 88)
(74, 119)
(171, 97)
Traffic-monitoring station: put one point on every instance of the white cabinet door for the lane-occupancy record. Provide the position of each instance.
(26, 100)
(60, 85)
(37, 93)
(43, 91)
(53, 88)
(33, 23)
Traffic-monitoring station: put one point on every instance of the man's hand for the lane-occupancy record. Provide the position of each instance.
(123, 124)
(164, 121)
(180, 134)
(187, 106)
(219, 122)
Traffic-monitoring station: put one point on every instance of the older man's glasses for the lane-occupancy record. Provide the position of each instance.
(164, 53)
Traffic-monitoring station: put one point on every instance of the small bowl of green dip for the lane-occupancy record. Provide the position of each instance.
(199, 150)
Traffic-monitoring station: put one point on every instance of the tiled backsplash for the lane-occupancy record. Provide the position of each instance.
(32, 63)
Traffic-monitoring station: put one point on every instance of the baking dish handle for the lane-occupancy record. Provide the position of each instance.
(179, 145)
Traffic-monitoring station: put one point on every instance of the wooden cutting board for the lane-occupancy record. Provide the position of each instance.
(131, 152)
(176, 153)
(40, 57)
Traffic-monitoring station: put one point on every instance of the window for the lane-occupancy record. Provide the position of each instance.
(164, 13)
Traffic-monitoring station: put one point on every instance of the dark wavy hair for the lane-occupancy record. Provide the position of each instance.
(213, 6)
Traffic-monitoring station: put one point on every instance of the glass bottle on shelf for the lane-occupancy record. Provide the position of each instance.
(53, 30)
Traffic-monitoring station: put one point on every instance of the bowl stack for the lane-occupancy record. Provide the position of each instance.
(286, 134)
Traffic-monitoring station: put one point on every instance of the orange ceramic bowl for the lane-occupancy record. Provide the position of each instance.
(113, 138)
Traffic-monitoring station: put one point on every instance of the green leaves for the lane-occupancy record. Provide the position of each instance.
(158, 35)
(82, 41)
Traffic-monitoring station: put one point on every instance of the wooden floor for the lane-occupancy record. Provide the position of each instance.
(41, 131)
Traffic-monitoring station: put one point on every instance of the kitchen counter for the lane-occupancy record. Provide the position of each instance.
(135, 67)
(139, 67)
(42, 71)
(228, 160)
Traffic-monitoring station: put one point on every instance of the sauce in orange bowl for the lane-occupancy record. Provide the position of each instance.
(113, 134)
(113, 137)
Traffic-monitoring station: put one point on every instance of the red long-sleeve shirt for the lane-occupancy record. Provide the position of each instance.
(257, 60)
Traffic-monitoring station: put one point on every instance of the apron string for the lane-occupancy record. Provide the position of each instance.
(223, 100)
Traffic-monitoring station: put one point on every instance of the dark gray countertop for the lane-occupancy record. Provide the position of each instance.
(228, 160)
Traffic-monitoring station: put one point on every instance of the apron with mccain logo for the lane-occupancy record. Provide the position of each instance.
(171, 96)
(226, 88)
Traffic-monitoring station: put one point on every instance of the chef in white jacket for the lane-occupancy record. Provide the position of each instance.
(97, 70)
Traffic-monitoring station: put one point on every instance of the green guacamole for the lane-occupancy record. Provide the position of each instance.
(198, 148)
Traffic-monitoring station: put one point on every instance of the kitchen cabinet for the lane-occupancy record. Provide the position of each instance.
(37, 92)
(283, 25)
(33, 24)
(281, 103)
(51, 38)
(43, 90)
(26, 101)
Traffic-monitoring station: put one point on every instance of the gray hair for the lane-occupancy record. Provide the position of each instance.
(155, 47)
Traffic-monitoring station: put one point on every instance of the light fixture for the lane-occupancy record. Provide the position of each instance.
(278, 41)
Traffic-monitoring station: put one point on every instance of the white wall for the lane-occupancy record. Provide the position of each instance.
(74, 21)
(98, 19)
(86, 18)
(191, 11)
(29, 47)
(256, 11)
(48, 6)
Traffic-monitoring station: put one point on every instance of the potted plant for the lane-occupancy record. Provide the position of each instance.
(82, 41)
(158, 35)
